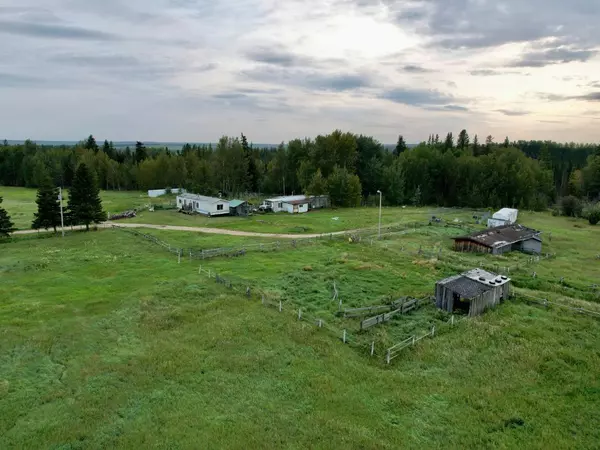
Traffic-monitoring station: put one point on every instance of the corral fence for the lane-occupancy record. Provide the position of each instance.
(547, 304)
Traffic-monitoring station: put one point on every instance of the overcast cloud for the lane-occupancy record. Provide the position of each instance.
(193, 70)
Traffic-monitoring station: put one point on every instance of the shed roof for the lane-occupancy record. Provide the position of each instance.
(236, 203)
(287, 199)
(296, 202)
(203, 198)
(500, 236)
(473, 283)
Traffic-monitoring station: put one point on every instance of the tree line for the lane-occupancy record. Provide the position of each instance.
(348, 167)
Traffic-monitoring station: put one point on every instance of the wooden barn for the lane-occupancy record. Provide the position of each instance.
(472, 292)
(501, 240)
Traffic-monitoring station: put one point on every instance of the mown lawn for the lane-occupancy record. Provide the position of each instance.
(20, 204)
(108, 342)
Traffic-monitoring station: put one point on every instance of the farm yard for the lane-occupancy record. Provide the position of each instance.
(112, 341)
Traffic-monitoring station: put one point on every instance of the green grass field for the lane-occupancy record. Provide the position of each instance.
(108, 342)
(20, 204)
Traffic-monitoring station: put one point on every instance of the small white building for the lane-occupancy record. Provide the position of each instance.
(209, 206)
(506, 216)
(293, 204)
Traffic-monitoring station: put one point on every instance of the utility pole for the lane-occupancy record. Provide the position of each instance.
(380, 195)
(62, 219)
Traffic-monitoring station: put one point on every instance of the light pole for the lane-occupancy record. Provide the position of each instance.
(380, 195)
(62, 220)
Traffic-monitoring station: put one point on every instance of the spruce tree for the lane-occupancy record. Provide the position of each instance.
(252, 175)
(506, 142)
(449, 144)
(48, 213)
(400, 146)
(140, 152)
(91, 144)
(6, 225)
(463, 140)
(476, 146)
(85, 206)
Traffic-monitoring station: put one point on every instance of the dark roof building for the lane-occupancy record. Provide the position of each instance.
(473, 291)
(501, 240)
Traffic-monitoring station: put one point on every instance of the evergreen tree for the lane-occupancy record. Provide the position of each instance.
(252, 175)
(6, 225)
(463, 140)
(437, 139)
(506, 142)
(48, 213)
(449, 144)
(489, 141)
(90, 144)
(85, 206)
(476, 146)
(400, 146)
(106, 146)
(417, 198)
(5, 143)
(140, 152)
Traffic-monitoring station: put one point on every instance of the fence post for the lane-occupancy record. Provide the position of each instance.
(200, 269)
(452, 320)
(340, 305)
(280, 306)
(344, 337)
(190, 254)
(320, 323)
(413, 340)
(179, 256)
(433, 331)
(209, 273)
(299, 314)
(202, 253)
(372, 348)
(388, 356)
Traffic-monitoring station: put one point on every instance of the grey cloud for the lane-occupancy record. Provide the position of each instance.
(276, 57)
(310, 79)
(552, 121)
(456, 24)
(451, 84)
(559, 55)
(53, 31)
(485, 73)
(15, 80)
(96, 60)
(590, 97)
(455, 108)
(416, 69)
(416, 97)
(511, 112)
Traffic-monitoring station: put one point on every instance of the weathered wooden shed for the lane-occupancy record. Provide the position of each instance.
(501, 240)
(473, 292)
(238, 208)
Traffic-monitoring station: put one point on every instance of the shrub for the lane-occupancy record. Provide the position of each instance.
(592, 213)
(571, 206)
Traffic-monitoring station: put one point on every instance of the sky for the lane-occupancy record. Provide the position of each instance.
(194, 70)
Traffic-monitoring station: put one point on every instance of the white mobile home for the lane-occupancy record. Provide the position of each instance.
(506, 216)
(291, 204)
(209, 206)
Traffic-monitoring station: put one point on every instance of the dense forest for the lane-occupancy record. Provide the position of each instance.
(350, 168)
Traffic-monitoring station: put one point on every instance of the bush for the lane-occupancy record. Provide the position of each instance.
(592, 213)
(571, 206)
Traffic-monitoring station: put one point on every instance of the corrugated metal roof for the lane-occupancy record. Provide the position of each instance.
(287, 199)
(473, 283)
(203, 198)
(500, 236)
(296, 202)
(235, 203)
(467, 288)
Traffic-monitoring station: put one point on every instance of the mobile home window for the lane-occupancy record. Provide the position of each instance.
(219, 207)
(281, 205)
